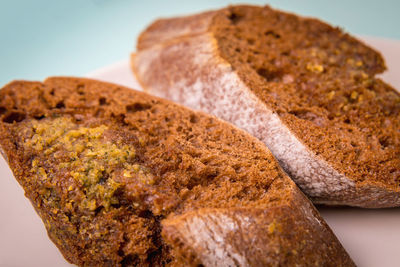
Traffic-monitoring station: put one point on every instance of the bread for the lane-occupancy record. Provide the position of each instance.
(121, 178)
(304, 88)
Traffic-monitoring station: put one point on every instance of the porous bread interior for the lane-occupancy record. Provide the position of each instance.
(321, 83)
(195, 161)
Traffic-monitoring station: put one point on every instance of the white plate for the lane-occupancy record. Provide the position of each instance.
(371, 237)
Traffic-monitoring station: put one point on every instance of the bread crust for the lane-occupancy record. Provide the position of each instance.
(202, 230)
(188, 69)
(143, 226)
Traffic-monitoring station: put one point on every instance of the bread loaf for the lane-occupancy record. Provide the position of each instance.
(304, 88)
(122, 178)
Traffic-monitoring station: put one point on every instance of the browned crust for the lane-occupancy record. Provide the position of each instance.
(165, 30)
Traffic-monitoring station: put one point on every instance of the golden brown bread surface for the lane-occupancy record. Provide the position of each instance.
(304, 88)
(121, 178)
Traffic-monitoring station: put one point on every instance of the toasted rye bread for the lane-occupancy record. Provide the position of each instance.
(121, 178)
(304, 88)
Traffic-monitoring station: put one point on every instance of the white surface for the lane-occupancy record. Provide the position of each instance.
(371, 237)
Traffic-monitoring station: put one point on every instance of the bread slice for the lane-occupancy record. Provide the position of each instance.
(121, 178)
(304, 88)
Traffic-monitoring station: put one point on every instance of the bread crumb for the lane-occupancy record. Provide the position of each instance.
(317, 68)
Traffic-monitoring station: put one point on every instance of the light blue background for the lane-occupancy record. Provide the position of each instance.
(40, 38)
